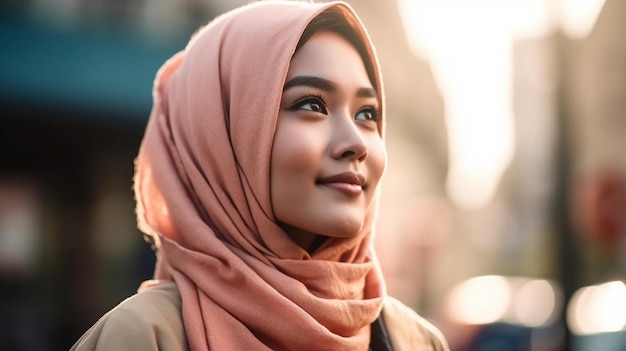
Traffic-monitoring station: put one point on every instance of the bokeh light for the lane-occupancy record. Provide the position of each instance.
(598, 309)
(523, 301)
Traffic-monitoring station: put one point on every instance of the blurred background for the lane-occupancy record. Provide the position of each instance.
(503, 211)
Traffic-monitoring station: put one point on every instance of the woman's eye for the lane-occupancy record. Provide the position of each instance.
(368, 114)
(311, 104)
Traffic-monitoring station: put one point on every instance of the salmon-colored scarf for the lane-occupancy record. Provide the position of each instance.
(202, 189)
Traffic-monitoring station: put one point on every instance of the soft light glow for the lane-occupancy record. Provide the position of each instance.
(598, 309)
(488, 299)
(479, 300)
(579, 17)
(535, 303)
(468, 45)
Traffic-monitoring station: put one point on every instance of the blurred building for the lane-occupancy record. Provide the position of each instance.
(594, 103)
(75, 93)
(560, 210)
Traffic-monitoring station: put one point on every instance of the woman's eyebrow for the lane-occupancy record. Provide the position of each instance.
(326, 85)
(367, 93)
(310, 81)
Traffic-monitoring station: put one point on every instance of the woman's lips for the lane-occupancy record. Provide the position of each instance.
(348, 189)
(348, 183)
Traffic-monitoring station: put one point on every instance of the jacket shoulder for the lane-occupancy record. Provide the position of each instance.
(147, 321)
(408, 331)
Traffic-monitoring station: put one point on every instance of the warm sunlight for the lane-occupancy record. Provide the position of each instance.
(469, 47)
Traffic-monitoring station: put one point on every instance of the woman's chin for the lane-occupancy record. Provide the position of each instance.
(342, 227)
(345, 228)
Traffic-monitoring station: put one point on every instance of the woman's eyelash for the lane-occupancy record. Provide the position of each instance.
(375, 112)
(317, 103)
(378, 113)
(311, 99)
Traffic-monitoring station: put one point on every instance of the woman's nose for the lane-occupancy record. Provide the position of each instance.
(348, 141)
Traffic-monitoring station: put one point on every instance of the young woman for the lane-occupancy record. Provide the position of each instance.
(257, 181)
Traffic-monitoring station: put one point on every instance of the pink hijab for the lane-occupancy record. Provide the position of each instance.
(202, 190)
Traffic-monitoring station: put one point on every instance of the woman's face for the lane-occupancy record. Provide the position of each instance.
(328, 155)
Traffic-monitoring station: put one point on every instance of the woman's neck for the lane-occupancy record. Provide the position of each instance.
(306, 240)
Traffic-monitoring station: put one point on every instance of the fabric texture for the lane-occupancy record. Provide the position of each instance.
(151, 321)
(148, 321)
(409, 331)
(202, 190)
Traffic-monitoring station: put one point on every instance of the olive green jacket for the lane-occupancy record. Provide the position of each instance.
(151, 320)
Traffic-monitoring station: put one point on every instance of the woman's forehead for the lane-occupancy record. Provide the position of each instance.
(335, 63)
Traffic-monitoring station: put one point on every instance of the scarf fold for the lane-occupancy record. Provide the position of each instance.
(202, 189)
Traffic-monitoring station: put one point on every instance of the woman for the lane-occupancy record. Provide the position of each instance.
(257, 181)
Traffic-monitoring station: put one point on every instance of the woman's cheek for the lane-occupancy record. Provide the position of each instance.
(378, 157)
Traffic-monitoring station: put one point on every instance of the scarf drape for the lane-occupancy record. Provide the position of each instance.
(202, 190)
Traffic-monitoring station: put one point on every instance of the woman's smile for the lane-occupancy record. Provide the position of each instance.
(348, 183)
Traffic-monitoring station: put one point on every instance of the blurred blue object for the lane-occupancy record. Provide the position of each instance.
(78, 69)
(501, 336)
(615, 341)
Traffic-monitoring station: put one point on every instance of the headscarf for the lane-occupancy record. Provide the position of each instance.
(202, 189)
